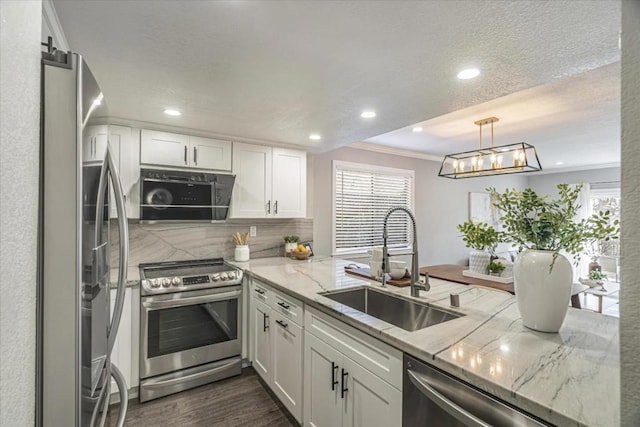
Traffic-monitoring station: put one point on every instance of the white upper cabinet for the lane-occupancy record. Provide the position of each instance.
(289, 189)
(270, 182)
(251, 197)
(172, 149)
(94, 143)
(207, 153)
(163, 148)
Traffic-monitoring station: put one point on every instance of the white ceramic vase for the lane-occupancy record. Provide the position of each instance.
(479, 261)
(542, 291)
(242, 253)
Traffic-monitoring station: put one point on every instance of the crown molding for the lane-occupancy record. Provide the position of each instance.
(575, 169)
(195, 132)
(384, 149)
(50, 18)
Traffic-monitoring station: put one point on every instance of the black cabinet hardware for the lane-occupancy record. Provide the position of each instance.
(334, 371)
(283, 305)
(283, 324)
(343, 389)
(265, 325)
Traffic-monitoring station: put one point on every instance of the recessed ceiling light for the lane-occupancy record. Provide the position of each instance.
(315, 137)
(368, 114)
(559, 163)
(170, 112)
(417, 129)
(469, 73)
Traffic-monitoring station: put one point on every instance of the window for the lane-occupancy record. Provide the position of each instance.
(362, 195)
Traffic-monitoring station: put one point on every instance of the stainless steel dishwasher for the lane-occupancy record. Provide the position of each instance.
(435, 399)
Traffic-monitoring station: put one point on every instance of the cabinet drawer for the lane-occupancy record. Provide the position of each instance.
(288, 307)
(377, 357)
(261, 293)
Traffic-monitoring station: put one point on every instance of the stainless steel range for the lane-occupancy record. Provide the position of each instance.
(190, 325)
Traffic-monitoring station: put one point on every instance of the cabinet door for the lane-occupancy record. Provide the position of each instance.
(287, 363)
(121, 355)
(369, 401)
(289, 183)
(209, 153)
(118, 137)
(261, 340)
(94, 143)
(323, 405)
(252, 190)
(165, 149)
(101, 138)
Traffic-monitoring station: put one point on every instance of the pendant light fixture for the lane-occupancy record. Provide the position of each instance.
(504, 159)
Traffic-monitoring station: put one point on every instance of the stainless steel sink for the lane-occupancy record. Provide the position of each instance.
(402, 313)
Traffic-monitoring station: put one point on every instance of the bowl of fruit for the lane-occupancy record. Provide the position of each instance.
(301, 252)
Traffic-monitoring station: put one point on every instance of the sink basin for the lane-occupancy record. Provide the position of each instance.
(402, 313)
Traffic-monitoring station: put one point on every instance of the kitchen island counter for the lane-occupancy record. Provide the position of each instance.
(571, 378)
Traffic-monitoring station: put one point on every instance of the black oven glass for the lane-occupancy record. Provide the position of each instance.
(176, 200)
(177, 329)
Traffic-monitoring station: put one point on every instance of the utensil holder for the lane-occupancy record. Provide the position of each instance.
(242, 253)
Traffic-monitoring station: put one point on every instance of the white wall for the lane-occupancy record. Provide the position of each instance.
(630, 240)
(19, 145)
(546, 184)
(440, 203)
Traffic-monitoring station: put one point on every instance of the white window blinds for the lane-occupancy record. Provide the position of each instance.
(362, 196)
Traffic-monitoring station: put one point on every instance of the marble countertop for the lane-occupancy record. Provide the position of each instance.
(571, 378)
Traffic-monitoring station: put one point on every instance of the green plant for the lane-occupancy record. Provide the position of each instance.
(291, 239)
(480, 236)
(495, 267)
(532, 221)
(597, 275)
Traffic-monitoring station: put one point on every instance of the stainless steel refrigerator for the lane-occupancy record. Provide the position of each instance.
(76, 330)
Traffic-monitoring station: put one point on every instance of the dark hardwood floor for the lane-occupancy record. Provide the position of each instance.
(237, 401)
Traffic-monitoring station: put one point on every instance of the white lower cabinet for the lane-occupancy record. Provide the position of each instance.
(122, 355)
(322, 402)
(276, 345)
(287, 363)
(339, 391)
(261, 340)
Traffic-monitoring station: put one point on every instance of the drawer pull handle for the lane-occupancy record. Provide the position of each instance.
(265, 325)
(260, 291)
(334, 371)
(343, 389)
(283, 305)
(283, 324)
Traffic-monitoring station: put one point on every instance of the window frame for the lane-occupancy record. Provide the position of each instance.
(367, 168)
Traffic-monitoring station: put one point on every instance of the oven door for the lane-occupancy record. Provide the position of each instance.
(187, 329)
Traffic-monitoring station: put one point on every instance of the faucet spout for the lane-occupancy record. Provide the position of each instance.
(415, 268)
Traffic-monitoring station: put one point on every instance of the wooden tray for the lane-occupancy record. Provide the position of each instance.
(453, 273)
(365, 272)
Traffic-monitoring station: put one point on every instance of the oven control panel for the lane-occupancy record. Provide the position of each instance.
(187, 283)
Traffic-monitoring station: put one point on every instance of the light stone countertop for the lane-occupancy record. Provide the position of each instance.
(571, 378)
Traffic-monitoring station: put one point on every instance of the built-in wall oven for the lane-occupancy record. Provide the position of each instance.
(190, 325)
(167, 195)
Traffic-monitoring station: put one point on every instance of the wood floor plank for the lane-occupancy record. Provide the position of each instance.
(234, 402)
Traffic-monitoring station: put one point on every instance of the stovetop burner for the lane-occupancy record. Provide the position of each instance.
(178, 276)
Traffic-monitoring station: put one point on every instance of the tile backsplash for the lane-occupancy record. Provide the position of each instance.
(180, 241)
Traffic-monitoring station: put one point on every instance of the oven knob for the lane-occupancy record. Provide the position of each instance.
(232, 275)
(215, 277)
(223, 276)
(175, 281)
(166, 283)
(155, 284)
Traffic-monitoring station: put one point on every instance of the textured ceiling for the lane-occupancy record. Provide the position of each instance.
(280, 70)
(574, 120)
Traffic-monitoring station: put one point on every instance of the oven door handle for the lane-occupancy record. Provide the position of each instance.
(191, 301)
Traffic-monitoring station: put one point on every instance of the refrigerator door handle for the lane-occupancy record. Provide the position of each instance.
(123, 231)
(124, 394)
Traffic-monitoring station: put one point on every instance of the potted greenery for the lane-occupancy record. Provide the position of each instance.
(495, 268)
(483, 240)
(290, 243)
(542, 229)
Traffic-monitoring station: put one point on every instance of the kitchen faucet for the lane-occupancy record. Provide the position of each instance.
(416, 286)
